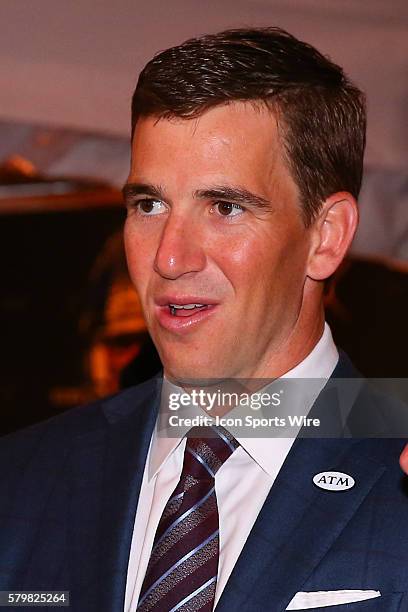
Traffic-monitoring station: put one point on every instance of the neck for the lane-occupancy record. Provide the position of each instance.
(301, 339)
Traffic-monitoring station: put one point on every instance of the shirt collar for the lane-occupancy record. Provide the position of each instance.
(319, 364)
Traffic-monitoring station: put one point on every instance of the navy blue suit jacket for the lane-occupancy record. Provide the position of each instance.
(69, 489)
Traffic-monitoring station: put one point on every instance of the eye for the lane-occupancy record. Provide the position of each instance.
(228, 209)
(149, 207)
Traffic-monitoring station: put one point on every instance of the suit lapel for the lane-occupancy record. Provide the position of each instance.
(109, 464)
(299, 522)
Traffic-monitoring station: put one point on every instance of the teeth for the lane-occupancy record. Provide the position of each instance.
(185, 306)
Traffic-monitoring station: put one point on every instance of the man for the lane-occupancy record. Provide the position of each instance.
(247, 155)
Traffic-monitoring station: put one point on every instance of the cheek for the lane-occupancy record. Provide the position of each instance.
(235, 251)
(242, 262)
(263, 269)
(139, 258)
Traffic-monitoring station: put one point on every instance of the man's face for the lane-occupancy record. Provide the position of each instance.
(214, 219)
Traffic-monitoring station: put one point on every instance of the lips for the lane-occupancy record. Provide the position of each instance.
(183, 300)
(183, 313)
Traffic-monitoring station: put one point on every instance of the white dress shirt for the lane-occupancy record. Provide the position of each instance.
(242, 483)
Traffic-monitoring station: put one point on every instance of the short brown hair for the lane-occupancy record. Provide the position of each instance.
(321, 114)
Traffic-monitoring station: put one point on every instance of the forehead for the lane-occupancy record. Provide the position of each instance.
(233, 142)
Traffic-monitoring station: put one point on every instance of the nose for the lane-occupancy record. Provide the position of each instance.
(181, 249)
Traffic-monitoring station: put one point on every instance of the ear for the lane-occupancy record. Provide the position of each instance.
(332, 233)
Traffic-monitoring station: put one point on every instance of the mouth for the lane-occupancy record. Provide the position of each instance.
(181, 314)
(186, 310)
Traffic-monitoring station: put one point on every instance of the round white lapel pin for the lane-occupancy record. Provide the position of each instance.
(334, 481)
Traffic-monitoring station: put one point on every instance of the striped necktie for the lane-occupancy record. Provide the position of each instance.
(182, 571)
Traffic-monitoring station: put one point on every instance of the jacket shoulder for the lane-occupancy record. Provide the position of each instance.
(52, 438)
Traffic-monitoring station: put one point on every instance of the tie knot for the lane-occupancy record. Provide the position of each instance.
(206, 450)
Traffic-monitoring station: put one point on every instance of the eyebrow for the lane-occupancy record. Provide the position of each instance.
(131, 190)
(238, 195)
